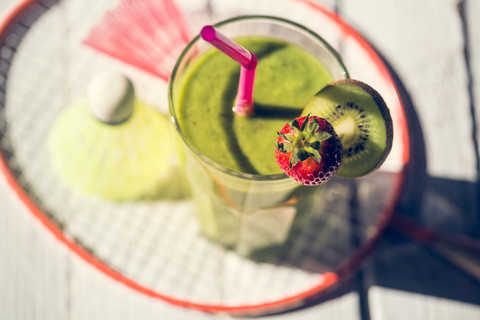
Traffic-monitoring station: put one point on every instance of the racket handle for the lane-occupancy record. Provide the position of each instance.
(461, 251)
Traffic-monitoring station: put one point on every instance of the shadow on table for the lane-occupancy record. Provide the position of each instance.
(444, 205)
(441, 204)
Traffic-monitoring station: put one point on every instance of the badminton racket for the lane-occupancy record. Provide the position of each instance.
(154, 247)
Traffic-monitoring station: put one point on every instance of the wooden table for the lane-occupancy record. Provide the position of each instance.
(433, 48)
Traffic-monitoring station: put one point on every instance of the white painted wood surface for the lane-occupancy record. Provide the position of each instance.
(423, 41)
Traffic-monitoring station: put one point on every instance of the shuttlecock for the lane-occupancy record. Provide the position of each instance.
(112, 145)
(148, 34)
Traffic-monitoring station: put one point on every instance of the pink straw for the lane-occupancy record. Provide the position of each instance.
(247, 61)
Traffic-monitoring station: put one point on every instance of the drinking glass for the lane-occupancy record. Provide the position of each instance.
(247, 213)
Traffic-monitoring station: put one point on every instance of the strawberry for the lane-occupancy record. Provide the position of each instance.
(308, 150)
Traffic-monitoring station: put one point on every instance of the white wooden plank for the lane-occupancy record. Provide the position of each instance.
(103, 298)
(412, 306)
(472, 11)
(423, 41)
(33, 266)
(5, 6)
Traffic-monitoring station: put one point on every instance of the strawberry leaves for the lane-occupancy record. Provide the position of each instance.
(308, 150)
(304, 142)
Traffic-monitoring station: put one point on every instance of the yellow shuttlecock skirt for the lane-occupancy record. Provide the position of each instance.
(128, 161)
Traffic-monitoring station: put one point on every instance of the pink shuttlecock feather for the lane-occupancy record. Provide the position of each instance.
(147, 34)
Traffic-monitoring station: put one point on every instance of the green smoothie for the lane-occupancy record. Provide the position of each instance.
(286, 78)
(251, 215)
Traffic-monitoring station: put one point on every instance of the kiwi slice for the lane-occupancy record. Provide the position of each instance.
(361, 119)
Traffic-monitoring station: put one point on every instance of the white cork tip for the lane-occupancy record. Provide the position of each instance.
(111, 97)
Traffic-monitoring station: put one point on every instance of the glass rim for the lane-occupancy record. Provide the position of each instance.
(173, 114)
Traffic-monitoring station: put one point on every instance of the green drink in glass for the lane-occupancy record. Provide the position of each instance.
(243, 199)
